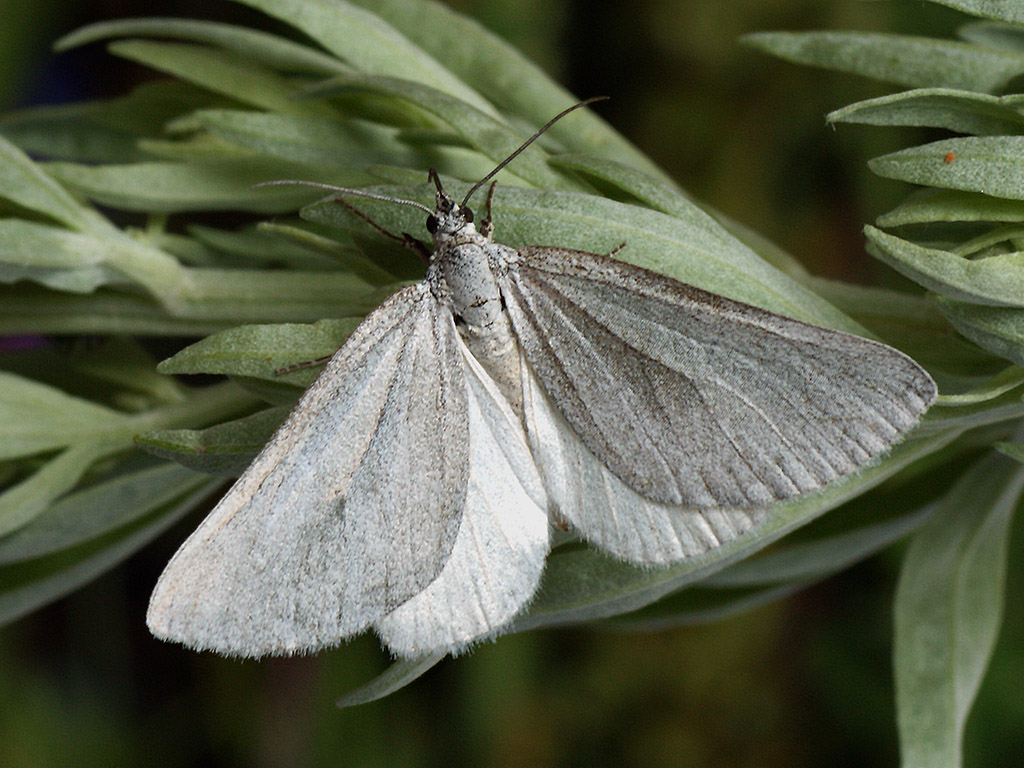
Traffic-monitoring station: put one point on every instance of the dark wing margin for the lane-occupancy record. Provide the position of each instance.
(698, 401)
(351, 509)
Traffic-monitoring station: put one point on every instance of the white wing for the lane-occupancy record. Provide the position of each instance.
(665, 419)
(352, 508)
(499, 553)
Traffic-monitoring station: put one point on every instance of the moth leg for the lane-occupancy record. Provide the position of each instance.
(407, 240)
(300, 366)
(616, 249)
(487, 225)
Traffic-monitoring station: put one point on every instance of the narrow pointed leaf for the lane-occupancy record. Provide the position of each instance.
(23, 182)
(272, 50)
(225, 449)
(960, 111)
(992, 165)
(22, 503)
(996, 281)
(368, 43)
(494, 68)
(36, 417)
(1000, 330)
(934, 205)
(949, 603)
(395, 677)
(918, 62)
(261, 350)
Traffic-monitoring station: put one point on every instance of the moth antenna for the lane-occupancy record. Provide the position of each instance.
(344, 191)
(527, 143)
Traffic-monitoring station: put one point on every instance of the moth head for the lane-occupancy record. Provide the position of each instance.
(448, 217)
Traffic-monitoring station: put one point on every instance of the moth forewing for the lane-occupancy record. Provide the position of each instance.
(351, 509)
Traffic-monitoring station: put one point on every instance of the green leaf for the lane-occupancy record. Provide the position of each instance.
(1000, 330)
(912, 324)
(992, 165)
(261, 350)
(218, 71)
(24, 183)
(948, 609)
(251, 44)
(25, 587)
(812, 560)
(225, 449)
(318, 141)
(169, 187)
(99, 509)
(367, 42)
(992, 9)
(996, 281)
(993, 35)
(106, 131)
(699, 605)
(395, 677)
(54, 257)
(960, 111)
(507, 78)
(917, 62)
(1013, 450)
(22, 503)
(492, 136)
(648, 190)
(928, 206)
(35, 417)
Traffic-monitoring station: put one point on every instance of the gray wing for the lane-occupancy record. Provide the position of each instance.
(696, 401)
(351, 509)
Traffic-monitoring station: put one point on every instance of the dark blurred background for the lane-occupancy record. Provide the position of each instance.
(804, 682)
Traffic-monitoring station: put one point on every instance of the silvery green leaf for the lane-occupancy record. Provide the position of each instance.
(368, 43)
(221, 72)
(1013, 450)
(20, 504)
(24, 183)
(252, 44)
(991, 9)
(54, 257)
(35, 417)
(997, 329)
(939, 205)
(242, 351)
(992, 165)
(994, 281)
(25, 587)
(960, 111)
(101, 508)
(398, 675)
(224, 449)
(917, 62)
(949, 603)
(493, 67)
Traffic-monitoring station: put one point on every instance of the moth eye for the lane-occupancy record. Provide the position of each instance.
(431, 224)
(467, 215)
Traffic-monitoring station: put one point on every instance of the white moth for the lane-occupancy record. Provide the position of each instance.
(413, 487)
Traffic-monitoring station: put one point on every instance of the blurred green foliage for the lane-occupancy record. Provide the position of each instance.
(802, 682)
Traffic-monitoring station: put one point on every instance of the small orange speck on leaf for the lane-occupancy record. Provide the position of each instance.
(949, 158)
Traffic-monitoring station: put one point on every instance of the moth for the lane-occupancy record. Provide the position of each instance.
(413, 488)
